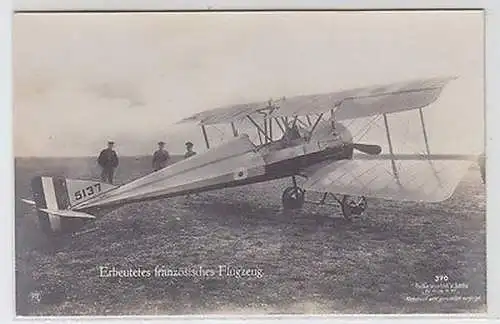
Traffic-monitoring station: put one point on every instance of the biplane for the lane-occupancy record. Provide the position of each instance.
(307, 138)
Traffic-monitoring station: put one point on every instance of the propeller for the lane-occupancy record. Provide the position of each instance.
(367, 148)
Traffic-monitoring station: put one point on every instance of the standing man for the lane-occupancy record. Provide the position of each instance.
(160, 157)
(108, 161)
(189, 150)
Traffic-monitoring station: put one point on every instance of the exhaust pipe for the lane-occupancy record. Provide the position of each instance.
(367, 148)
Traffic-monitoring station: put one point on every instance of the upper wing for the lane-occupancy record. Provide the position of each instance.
(430, 178)
(226, 114)
(348, 104)
(368, 101)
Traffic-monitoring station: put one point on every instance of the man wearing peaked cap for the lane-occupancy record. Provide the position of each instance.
(108, 161)
(160, 157)
(189, 150)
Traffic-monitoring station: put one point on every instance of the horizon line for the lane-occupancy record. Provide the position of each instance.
(79, 156)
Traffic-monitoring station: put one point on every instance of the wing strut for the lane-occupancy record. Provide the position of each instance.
(235, 131)
(279, 125)
(204, 130)
(391, 151)
(332, 118)
(315, 124)
(302, 123)
(260, 137)
(427, 149)
(271, 128)
(266, 137)
(421, 112)
(285, 122)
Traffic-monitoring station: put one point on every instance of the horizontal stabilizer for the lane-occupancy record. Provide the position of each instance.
(68, 213)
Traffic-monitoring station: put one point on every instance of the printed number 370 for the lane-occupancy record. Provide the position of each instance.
(441, 278)
(89, 191)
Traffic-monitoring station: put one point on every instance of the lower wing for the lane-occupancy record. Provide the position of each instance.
(410, 177)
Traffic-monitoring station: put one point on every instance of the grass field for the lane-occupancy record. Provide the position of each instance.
(313, 261)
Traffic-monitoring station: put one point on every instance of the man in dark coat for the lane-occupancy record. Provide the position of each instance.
(160, 157)
(108, 161)
(189, 150)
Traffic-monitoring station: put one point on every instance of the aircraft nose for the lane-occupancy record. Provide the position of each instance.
(344, 133)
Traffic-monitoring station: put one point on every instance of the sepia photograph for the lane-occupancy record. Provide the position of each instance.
(249, 163)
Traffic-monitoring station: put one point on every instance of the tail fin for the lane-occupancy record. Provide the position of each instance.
(54, 197)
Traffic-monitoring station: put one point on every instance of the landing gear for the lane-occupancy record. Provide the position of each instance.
(293, 197)
(350, 205)
(353, 205)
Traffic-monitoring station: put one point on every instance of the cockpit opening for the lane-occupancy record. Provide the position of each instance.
(293, 136)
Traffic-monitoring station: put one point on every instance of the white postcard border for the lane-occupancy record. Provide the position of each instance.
(492, 70)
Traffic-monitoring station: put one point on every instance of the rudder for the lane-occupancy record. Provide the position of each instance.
(60, 194)
(47, 225)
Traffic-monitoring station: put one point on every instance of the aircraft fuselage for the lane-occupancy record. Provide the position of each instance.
(235, 163)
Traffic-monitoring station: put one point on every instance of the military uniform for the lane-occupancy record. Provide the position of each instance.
(160, 159)
(189, 150)
(189, 154)
(108, 161)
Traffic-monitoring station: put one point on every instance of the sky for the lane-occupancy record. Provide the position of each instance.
(83, 78)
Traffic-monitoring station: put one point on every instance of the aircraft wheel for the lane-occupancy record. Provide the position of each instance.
(353, 205)
(293, 198)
